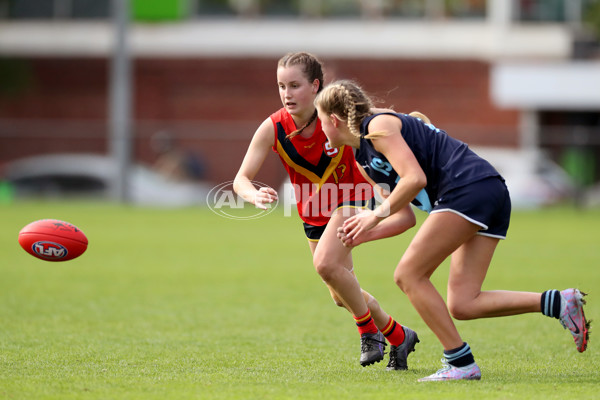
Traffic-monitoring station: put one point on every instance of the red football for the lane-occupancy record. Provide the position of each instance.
(53, 240)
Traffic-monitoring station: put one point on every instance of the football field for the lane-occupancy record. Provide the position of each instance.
(184, 304)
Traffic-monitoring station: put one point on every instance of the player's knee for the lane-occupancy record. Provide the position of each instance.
(402, 279)
(460, 311)
(325, 269)
(408, 278)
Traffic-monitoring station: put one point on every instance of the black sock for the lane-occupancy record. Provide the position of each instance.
(459, 357)
(551, 303)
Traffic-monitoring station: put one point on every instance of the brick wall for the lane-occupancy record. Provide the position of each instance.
(213, 106)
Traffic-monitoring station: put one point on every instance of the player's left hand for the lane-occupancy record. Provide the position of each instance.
(357, 226)
(346, 240)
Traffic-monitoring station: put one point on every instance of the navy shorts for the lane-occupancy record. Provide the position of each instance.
(485, 203)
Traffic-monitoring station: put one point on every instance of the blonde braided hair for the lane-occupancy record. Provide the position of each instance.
(347, 100)
(421, 116)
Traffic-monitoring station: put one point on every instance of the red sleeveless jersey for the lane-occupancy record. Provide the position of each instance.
(323, 177)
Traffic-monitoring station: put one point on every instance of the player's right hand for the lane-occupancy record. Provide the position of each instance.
(264, 195)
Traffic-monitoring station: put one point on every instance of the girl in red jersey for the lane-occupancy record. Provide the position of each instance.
(329, 188)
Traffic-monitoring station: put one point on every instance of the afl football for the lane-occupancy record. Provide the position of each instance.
(53, 240)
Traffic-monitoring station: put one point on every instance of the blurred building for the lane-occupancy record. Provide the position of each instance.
(520, 74)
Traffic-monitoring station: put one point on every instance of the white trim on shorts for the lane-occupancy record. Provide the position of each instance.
(490, 235)
(481, 224)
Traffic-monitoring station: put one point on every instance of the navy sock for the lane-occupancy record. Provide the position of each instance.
(459, 357)
(551, 303)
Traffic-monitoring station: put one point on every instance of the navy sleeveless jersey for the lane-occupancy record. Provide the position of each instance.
(447, 162)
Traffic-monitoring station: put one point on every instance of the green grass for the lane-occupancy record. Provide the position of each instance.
(183, 304)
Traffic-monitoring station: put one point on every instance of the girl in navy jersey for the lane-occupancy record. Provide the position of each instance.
(469, 209)
(329, 188)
